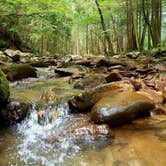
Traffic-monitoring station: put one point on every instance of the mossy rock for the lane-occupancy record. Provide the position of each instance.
(19, 71)
(4, 89)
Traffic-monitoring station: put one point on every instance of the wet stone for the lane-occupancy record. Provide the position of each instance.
(156, 97)
(121, 108)
(83, 130)
(15, 111)
(85, 100)
(90, 81)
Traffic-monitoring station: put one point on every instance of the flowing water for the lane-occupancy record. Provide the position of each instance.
(142, 143)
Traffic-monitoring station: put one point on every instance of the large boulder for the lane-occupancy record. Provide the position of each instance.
(85, 100)
(4, 89)
(19, 71)
(121, 108)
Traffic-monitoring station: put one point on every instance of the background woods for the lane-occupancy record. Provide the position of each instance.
(82, 26)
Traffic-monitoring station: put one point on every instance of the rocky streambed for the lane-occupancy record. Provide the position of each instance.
(83, 111)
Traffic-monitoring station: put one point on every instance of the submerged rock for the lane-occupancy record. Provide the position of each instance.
(82, 130)
(19, 71)
(85, 100)
(121, 108)
(89, 131)
(4, 89)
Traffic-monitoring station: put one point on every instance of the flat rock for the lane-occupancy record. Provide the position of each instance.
(110, 62)
(43, 62)
(90, 81)
(68, 71)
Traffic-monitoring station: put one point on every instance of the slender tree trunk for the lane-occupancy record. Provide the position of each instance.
(154, 25)
(143, 37)
(135, 22)
(87, 39)
(115, 33)
(106, 34)
(129, 26)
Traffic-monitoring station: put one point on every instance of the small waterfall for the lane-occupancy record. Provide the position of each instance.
(35, 147)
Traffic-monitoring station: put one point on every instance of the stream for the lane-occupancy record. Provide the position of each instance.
(142, 143)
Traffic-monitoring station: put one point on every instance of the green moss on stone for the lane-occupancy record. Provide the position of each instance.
(4, 88)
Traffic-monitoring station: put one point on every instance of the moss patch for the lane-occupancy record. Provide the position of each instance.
(4, 88)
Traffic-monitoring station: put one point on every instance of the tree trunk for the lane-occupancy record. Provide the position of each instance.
(129, 26)
(106, 34)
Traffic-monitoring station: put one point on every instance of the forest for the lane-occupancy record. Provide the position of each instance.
(83, 26)
(82, 82)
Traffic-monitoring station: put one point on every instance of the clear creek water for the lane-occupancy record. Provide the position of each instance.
(142, 143)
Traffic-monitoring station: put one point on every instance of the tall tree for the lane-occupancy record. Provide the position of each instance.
(106, 34)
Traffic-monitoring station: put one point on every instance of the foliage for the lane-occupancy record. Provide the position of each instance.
(68, 26)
